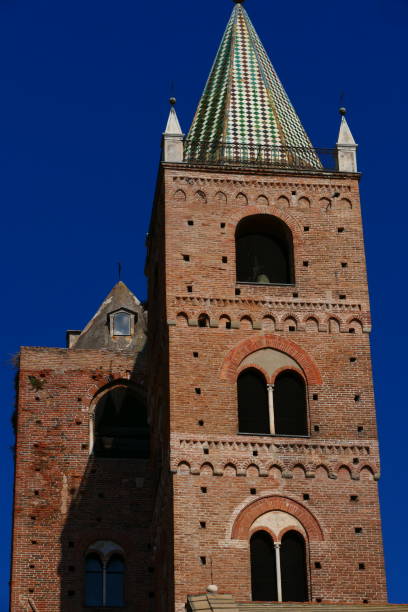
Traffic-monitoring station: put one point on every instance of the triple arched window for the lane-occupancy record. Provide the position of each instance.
(120, 425)
(278, 569)
(264, 251)
(279, 408)
(104, 580)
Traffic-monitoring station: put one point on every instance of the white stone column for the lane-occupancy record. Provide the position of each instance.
(278, 570)
(271, 409)
(346, 147)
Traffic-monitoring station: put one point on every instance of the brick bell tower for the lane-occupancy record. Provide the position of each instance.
(259, 325)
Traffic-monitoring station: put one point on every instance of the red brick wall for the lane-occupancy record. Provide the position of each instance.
(66, 499)
(208, 423)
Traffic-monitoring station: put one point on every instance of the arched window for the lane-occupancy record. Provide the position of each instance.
(121, 428)
(289, 557)
(104, 581)
(293, 567)
(263, 568)
(93, 580)
(253, 410)
(203, 320)
(290, 406)
(264, 251)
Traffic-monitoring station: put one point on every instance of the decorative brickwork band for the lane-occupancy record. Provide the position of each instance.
(232, 361)
(247, 516)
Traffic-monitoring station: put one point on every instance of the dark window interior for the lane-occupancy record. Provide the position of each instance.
(293, 567)
(93, 581)
(112, 575)
(290, 404)
(263, 250)
(115, 574)
(263, 568)
(253, 410)
(121, 428)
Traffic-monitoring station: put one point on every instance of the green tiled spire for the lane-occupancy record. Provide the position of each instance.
(244, 101)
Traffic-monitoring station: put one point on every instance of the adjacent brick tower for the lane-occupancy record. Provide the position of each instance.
(256, 239)
(224, 452)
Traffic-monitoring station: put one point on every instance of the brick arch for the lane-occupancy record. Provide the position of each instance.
(232, 361)
(273, 211)
(244, 520)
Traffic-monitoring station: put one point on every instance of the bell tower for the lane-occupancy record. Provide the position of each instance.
(259, 324)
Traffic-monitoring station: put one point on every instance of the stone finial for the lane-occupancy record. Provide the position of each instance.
(346, 146)
(212, 588)
(173, 137)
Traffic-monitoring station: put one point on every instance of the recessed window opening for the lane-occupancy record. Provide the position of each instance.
(253, 408)
(121, 428)
(290, 404)
(279, 409)
(122, 324)
(264, 251)
(289, 556)
(104, 581)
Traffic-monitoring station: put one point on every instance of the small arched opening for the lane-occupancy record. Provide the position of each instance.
(290, 405)
(120, 425)
(253, 408)
(264, 251)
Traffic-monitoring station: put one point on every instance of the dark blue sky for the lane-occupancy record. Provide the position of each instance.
(83, 101)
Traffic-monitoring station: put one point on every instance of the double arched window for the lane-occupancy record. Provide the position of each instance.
(264, 251)
(278, 569)
(279, 408)
(120, 425)
(104, 577)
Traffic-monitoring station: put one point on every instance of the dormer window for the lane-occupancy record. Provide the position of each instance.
(122, 323)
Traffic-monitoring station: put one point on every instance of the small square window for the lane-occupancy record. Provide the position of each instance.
(203, 560)
(340, 230)
(292, 328)
(295, 295)
(342, 296)
(203, 489)
(253, 491)
(206, 451)
(255, 453)
(305, 264)
(353, 359)
(361, 566)
(316, 428)
(358, 530)
(237, 291)
(354, 498)
(195, 355)
(190, 222)
(318, 565)
(198, 390)
(306, 228)
(225, 259)
(189, 288)
(357, 398)
(315, 397)
(344, 264)
(122, 324)
(201, 423)
(360, 429)
(203, 525)
(186, 257)
(306, 496)
(222, 225)
(356, 461)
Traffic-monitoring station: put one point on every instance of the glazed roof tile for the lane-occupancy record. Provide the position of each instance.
(244, 101)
